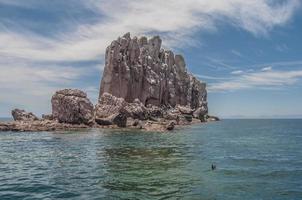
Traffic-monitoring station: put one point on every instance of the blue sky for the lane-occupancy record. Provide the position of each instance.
(249, 52)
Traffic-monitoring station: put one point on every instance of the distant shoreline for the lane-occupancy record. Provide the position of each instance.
(6, 119)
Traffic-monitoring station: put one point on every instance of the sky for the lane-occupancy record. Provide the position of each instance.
(248, 52)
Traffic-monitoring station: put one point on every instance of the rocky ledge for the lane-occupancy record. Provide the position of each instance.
(143, 87)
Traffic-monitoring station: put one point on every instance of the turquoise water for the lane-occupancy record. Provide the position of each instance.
(255, 159)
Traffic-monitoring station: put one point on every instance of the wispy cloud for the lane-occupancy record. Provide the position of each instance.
(236, 53)
(261, 80)
(26, 79)
(206, 77)
(179, 20)
(293, 63)
(237, 72)
(30, 85)
(282, 47)
(269, 68)
(220, 64)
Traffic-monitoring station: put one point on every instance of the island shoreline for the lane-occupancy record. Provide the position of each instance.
(143, 86)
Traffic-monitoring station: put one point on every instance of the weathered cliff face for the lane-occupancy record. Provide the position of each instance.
(141, 69)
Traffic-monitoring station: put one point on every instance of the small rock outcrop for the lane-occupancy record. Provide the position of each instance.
(212, 118)
(22, 115)
(171, 125)
(40, 125)
(108, 105)
(138, 68)
(72, 106)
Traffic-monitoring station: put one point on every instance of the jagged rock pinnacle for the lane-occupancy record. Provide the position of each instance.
(141, 69)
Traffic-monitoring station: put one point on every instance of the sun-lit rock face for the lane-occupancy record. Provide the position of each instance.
(138, 68)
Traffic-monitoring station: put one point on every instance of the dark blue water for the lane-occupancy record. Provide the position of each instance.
(255, 159)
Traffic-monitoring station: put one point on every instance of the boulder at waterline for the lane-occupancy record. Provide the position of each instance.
(72, 106)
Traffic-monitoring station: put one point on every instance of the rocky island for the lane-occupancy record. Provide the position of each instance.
(143, 87)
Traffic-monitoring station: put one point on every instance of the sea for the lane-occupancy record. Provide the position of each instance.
(255, 159)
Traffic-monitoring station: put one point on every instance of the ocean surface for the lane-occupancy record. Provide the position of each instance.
(255, 159)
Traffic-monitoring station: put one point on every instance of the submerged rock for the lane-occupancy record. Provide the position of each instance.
(72, 106)
(22, 115)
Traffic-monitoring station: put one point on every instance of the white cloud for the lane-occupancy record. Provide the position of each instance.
(237, 72)
(176, 20)
(20, 74)
(220, 64)
(30, 87)
(260, 80)
(74, 47)
(293, 63)
(269, 68)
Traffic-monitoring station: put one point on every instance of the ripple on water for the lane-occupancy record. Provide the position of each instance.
(254, 159)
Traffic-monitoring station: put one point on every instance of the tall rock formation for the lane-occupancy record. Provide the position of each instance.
(141, 69)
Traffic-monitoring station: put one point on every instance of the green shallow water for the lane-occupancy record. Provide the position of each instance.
(256, 159)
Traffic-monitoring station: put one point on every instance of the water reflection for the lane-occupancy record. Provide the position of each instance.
(138, 170)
